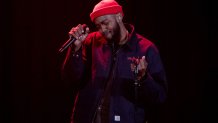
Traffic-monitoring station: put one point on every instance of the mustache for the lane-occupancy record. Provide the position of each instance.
(105, 32)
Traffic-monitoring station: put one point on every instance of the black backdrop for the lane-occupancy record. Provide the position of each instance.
(32, 32)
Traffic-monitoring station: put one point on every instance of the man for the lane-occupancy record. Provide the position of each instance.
(117, 73)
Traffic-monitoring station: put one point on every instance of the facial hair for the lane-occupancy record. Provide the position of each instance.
(116, 34)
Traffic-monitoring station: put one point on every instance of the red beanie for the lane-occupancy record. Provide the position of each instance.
(106, 7)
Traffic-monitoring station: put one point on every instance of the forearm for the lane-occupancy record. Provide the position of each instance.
(153, 88)
(154, 84)
(72, 68)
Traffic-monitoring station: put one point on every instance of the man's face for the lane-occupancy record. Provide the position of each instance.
(108, 27)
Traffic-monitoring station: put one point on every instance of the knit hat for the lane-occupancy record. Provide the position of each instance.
(106, 7)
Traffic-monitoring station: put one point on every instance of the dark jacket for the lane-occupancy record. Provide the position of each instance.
(89, 69)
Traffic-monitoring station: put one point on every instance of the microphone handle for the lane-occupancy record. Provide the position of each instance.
(67, 44)
(70, 41)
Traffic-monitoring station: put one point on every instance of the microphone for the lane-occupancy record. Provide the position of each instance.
(70, 41)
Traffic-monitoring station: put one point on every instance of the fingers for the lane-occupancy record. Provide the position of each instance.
(87, 30)
(78, 32)
(138, 66)
(80, 29)
(142, 63)
(133, 67)
(142, 66)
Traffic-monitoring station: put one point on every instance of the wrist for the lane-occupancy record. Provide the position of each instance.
(143, 77)
(77, 46)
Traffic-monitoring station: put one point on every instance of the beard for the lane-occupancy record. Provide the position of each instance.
(115, 34)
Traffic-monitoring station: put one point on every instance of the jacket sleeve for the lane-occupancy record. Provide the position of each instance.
(72, 68)
(76, 67)
(153, 85)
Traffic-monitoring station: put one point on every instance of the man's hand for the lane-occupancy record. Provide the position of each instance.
(80, 34)
(138, 66)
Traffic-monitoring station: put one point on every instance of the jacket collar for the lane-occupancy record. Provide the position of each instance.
(131, 43)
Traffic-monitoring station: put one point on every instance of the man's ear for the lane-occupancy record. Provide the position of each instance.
(119, 17)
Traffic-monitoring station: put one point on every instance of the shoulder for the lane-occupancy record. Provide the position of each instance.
(145, 43)
(93, 37)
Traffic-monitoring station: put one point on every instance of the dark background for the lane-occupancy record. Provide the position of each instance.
(32, 31)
